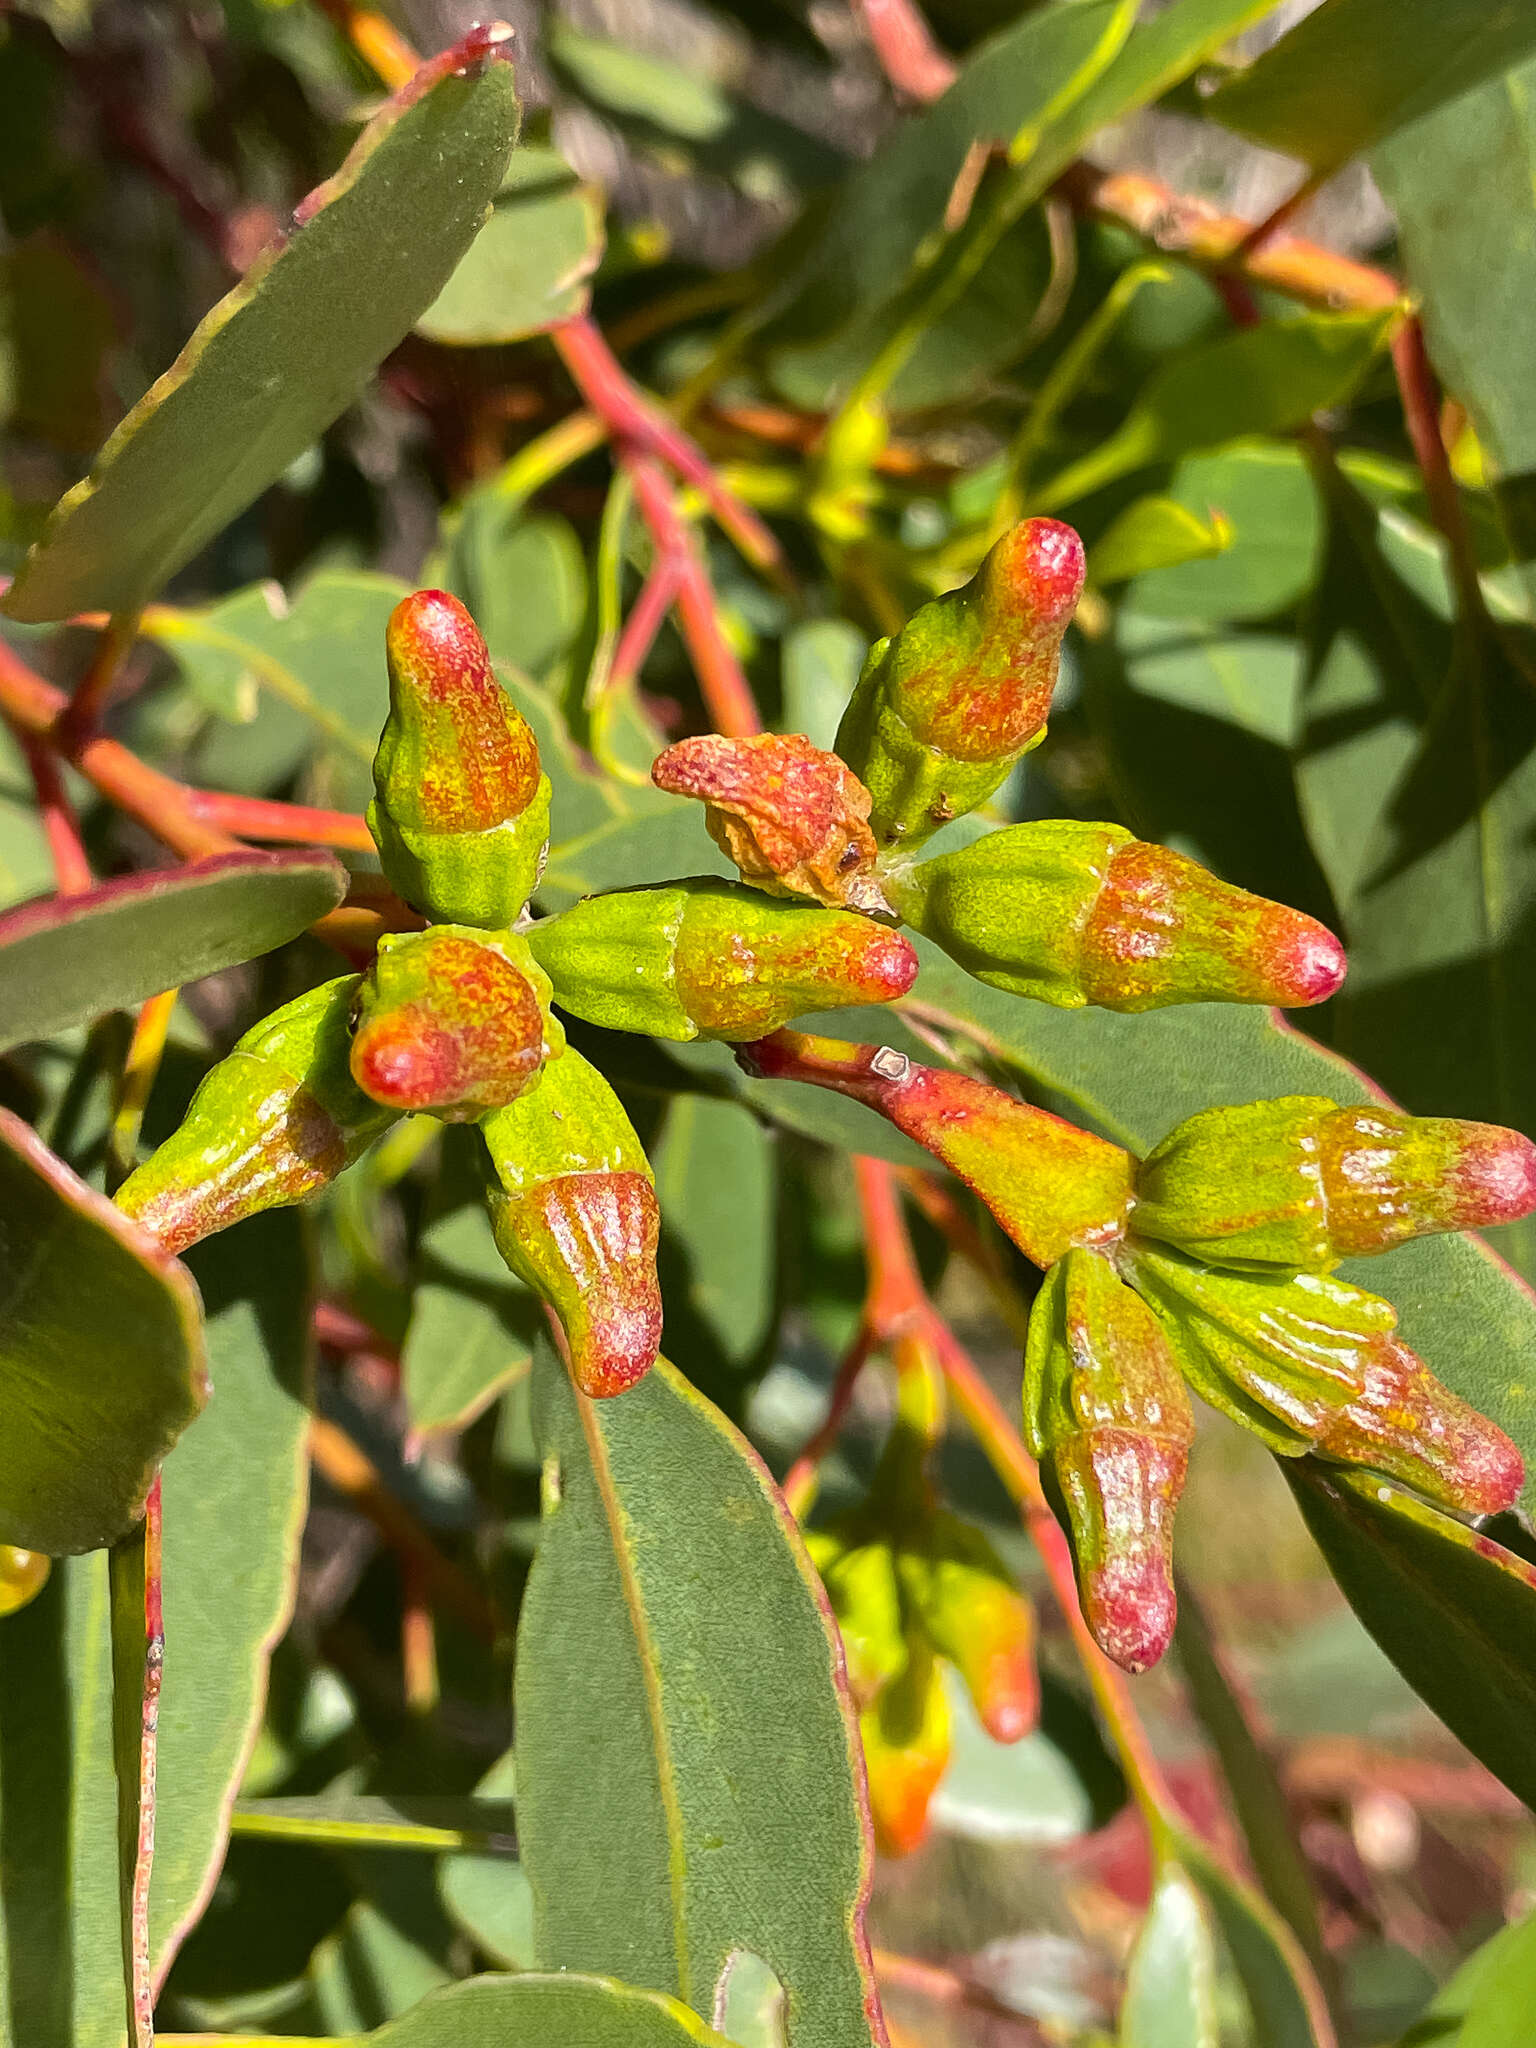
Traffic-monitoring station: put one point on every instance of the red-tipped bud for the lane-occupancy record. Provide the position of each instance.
(23, 1575)
(1105, 1410)
(462, 811)
(574, 1215)
(452, 1020)
(707, 959)
(1049, 1184)
(946, 706)
(959, 1593)
(793, 818)
(1309, 1363)
(270, 1125)
(906, 1735)
(1073, 913)
(1301, 1182)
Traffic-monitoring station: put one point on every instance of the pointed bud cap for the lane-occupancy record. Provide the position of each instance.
(1300, 1182)
(906, 1736)
(454, 1021)
(1106, 1412)
(574, 1215)
(461, 816)
(1049, 1184)
(708, 959)
(961, 1596)
(270, 1125)
(1072, 913)
(945, 707)
(793, 818)
(1309, 1363)
(23, 1575)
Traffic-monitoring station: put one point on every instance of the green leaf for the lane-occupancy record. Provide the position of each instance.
(1474, 267)
(488, 1896)
(1170, 1993)
(716, 1182)
(676, 1735)
(96, 1381)
(1262, 380)
(629, 81)
(1286, 2005)
(1489, 2001)
(234, 1493)
(25, 868)
(1261, 491)
(523, 576)
(445, 1825)
(287, 350)
(1357, 71)
(885, 210)
(629, 851)
(1154, 533)
(1454, 1611)
(530, 264)
(472, 1325)
(296, 680)
(556, 2011)
(822, 659)
(69, 958)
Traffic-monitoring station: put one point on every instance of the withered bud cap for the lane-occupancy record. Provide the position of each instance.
(454, 1021)
(794, 818)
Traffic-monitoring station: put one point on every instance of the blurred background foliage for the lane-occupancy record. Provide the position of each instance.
(1288, 665)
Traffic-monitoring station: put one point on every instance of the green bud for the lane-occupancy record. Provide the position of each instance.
(1106, 1413)
(1310, 1363)
(709, 959)
(1300, 1182)
(860, 1578)
(270, 1125)
(945, 707)
(906, 1737)
(574, 1215)
(461, 817)
(454, 1021)
(1073, 913)
(961, 1595)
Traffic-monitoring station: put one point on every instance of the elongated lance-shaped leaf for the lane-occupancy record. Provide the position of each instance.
(101, 1356)
(233, 1502)
(683, 1718)
(539, 2011)
(291, 346)
(1170, 1995)
(66, 959)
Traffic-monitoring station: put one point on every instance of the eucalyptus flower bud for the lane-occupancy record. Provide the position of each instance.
(1106, 1412)
(945, 707)
(1049, 1184)
(574, 1215)
(906, 1736)
(453, 1020)
(959, 1593)
(1310, 1363)
(23, 1575)
(709, 959)
(1073, 913)
(270, 1125)
(793, 818)
(860, 1578)
(461, 817)
(1300, 1182)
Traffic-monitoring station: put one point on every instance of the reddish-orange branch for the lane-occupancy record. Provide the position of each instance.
(727, 694)
(61, 828)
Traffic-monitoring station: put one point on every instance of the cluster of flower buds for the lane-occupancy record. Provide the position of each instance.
(23, 1575)
(914, 1589)
(1208, 1264)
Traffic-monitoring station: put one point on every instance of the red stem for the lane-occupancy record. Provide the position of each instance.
(639, 425)
(71, 869)
(254, 817)
(909, 56)
(726, 692)
(1419, 390)
(656, 597)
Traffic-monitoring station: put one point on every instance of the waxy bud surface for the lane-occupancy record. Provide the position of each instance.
(1105, 1410)
(1300, 1182)
(270, 1125)
(946, 706)
(574, 1215)
(793, 818)
(1310, 1363)
(461, 817)
(1073, 913)
(959, 1594)
(906, 1736)
(23, 1575)
(1049, 1184)
(452, 1020)
(709, 959)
